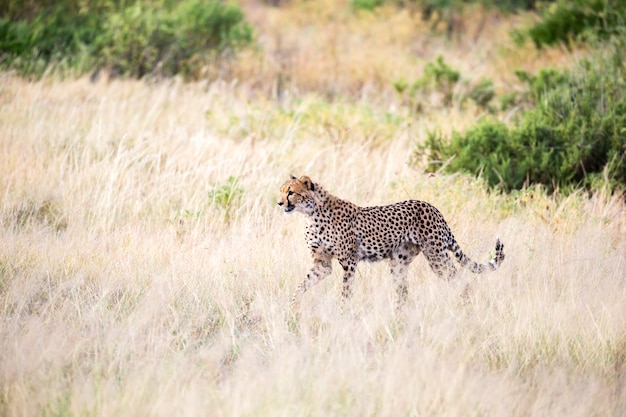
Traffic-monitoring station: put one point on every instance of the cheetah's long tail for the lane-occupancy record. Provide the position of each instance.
(477, 268)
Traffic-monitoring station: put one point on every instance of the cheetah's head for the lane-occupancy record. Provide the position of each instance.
(297, 195)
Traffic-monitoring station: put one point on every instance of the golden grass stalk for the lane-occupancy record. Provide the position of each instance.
(146, 270)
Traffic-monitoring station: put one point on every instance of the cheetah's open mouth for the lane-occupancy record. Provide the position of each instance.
(289, 208)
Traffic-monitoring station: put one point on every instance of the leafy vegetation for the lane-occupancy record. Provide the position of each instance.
(571, 130)
(226, 196)
(566, 20)
(438, 76)
(442, 79)
(574, 134)
(135, 39)
(369, 5)
(430, 8)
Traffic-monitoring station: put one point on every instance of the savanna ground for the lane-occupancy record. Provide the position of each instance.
(146, 270)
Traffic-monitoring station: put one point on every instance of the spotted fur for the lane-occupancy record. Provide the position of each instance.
(399, 232)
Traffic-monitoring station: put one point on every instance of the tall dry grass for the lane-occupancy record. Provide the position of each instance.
(126, 290)
(146, 270)
(325, 47)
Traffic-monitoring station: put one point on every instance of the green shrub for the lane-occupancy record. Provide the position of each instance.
(52, 37)
(133, 40)
(575, 132)
(430, 7)
(143, 37)
(567, 20)
(227, 195)
(482, 93)
(438, 76)
(206, 26)
(369, 5)
(442, 78)
(536, 87)
(27, 10)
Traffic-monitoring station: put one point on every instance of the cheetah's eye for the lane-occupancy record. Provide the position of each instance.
(289, 193)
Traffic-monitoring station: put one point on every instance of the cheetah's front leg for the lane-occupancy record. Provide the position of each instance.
(321, 269)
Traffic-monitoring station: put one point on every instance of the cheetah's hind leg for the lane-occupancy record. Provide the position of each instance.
(401, 258)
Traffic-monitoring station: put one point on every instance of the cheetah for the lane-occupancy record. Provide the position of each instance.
(399, 232)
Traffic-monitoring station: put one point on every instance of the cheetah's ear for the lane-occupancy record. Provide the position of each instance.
(307, 181)
(293, 177)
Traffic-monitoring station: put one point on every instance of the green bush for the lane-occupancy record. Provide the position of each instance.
(567, 20)
(133, 40)
(537, 86)
(444, 11)
(505, 158)
(226, 196)
(368, 5)
(482, 93)
(429, 7)
(439, 77)
(51, 37)
(574, 134)
(143, 37)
